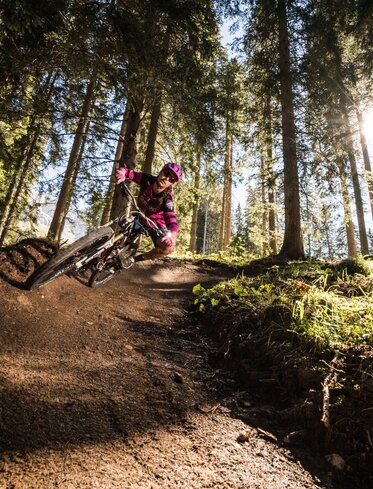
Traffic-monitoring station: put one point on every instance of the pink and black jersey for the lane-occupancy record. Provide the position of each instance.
(158, 207)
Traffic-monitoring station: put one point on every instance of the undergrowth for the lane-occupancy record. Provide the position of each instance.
(320, 306)
(219, 257)
(309, 326)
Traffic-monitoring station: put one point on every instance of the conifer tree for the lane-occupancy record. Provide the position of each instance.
(28, 149)
(67, 189)
(269, 61)
(327, 31)
(292, 246)
(231, 99)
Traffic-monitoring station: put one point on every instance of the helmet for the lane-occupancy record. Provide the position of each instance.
(175, 168)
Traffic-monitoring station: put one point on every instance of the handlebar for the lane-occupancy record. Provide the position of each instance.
(126, 192)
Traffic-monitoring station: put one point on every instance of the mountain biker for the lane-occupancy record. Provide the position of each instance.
(156, 202)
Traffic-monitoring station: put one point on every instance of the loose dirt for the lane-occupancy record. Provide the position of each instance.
(115, 388)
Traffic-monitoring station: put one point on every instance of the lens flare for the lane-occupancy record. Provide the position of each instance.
(368, 126)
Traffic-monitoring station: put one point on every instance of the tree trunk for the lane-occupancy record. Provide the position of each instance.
(228, 220)
(292, 246)
(12, 189)
(364, 247)
(308, 234)
(344, 100)
(152, 137)
(272, 213)
(112, 183)
(64, 198)
(197, 180)
(129, 152)
(205, 226)
(368, 168)
(19, 177)
(270, 179)
(325, 224)
(17, 185)
(351, 242)
(263, 179)
(226, 213)
(271, 193)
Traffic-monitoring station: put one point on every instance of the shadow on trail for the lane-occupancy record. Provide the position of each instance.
(140, 376)
(60, 401)
(101, 385)
(88, 382)
(194, 357)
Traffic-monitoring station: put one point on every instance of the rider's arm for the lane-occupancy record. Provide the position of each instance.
(170, 216)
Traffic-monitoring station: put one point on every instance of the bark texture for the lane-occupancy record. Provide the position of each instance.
(197, 181)
(351, 242)
(349, 149)
(152, 137)
(129, 151)
(270, 178)
(226, 213)
(264, 230)
(292, 246)
(111, 189)
(367, 165)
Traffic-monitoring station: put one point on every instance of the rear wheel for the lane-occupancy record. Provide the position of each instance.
(66, 258)
(100, 277)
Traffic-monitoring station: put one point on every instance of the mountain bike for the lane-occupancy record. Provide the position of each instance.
(97, 257)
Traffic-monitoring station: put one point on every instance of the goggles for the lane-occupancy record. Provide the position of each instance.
(170, 175)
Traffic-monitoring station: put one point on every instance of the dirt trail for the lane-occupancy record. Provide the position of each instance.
(112, 388)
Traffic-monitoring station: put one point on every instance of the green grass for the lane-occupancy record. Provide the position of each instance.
(320, 306)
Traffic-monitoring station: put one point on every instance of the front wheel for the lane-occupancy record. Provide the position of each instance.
(64, 260)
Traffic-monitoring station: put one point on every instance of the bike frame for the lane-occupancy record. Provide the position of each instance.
(136, 214)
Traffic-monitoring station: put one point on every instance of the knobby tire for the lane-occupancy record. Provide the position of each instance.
(106, 274)
(64, 260)
(101, 277)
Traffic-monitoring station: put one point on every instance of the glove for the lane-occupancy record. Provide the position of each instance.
(168, 241)
(121, 174)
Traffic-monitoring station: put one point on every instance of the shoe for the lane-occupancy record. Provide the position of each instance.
(126, 261)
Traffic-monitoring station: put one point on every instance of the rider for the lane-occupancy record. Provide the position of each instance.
(155, 201)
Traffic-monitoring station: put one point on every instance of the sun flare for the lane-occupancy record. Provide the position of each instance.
(368, 126)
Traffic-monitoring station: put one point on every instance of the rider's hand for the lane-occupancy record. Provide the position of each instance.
(168, 241)
(121, 174)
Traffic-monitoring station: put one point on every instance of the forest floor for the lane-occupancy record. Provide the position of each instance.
(115, 387)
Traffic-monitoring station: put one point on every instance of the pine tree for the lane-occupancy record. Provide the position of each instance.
(67, 189)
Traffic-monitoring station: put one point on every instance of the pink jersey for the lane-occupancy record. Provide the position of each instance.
(159, 207)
